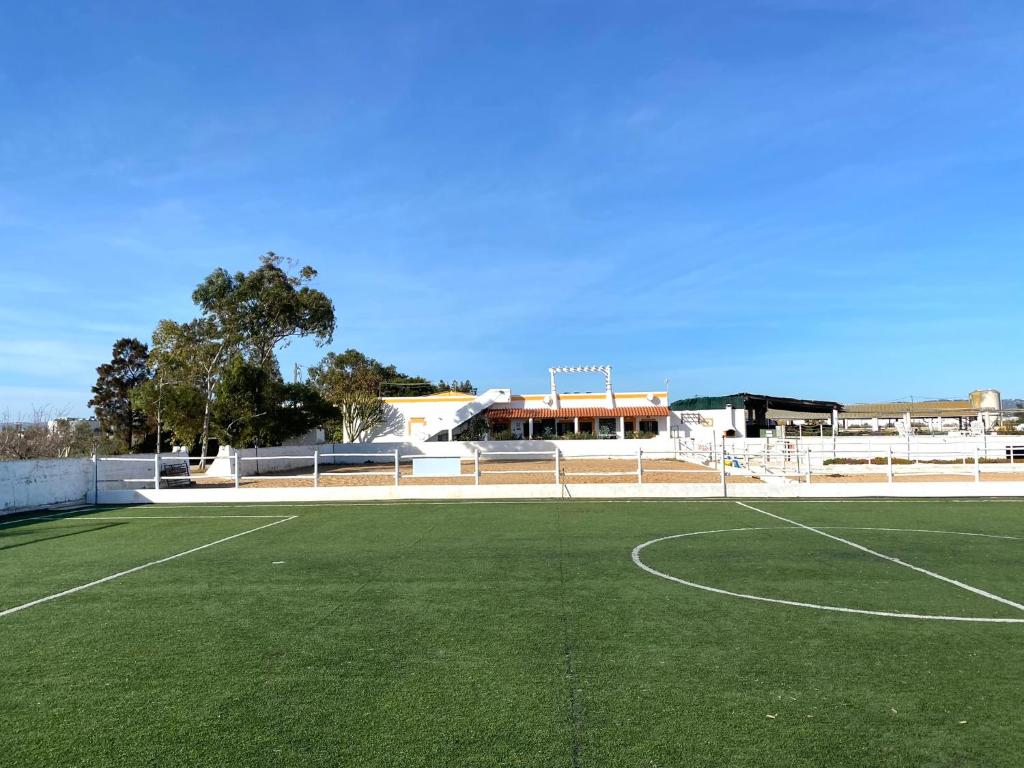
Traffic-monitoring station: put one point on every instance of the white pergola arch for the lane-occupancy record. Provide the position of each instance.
(606, 370)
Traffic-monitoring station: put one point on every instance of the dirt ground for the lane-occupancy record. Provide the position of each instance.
(542, 472)
(531, 472)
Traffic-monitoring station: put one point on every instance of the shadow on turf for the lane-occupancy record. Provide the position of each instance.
(17, 532)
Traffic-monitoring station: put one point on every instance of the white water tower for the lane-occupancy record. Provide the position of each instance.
(986, 400)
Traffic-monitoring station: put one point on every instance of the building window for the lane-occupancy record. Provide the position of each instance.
(650, 427)
(606, 427)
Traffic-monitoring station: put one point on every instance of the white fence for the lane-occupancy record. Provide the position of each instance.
(296, 463)
(881, 463)
(924, 458)
(257, 460)
(912, 447)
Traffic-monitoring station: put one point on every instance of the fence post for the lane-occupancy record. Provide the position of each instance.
(476, 466)
(156, 472)
(721, 470)
(807, 469)
(558, 466)
(95, 479)
(977, 466)
(639, 464)
(238, 469)
(316, 467)
(398, 471)
(889, 466)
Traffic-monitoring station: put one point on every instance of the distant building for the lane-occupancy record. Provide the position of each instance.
(747, 415)
(543, 416)
(981, 410)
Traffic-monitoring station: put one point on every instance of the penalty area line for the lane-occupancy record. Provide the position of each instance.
(890, 558)
(105, 579)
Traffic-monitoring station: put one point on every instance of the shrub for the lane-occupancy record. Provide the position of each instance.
(579, 436)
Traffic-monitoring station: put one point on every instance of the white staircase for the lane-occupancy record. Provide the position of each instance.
(479, 404)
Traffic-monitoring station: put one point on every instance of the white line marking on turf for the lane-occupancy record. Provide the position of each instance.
(137, 568)
(916, 530)
(891, 559)
(841, 609)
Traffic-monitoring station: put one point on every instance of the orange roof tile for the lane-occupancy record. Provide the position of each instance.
(507, 414)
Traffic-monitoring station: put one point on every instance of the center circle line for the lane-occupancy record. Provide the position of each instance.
(837, 608)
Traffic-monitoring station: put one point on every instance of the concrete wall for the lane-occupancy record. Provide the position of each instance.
(31, 484)
(293, 497)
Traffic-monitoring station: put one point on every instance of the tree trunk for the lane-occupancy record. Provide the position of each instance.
(204, 439)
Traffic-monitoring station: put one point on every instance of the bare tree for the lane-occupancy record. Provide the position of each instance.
(46, 436)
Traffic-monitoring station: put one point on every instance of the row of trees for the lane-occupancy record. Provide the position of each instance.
(217, 375)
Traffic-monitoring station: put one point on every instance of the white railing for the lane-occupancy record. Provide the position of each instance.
(786, 461)
(154, 478)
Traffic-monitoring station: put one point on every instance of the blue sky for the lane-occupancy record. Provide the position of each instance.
(801, 197)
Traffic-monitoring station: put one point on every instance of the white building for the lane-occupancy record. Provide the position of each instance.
(548, 416)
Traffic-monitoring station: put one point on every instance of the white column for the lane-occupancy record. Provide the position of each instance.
(576, 424)
(531, 428)
(622, 427)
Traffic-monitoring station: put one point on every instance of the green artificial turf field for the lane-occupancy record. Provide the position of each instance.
(516, 634)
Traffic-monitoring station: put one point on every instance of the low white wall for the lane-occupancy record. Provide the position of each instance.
(281, 459)
(42, 483)
(626, 491)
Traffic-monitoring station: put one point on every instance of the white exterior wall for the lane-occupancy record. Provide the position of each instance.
(709, 425)
(541, 406)
(42, 483)
(436, 412)
(413, 413)
(421, 418)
